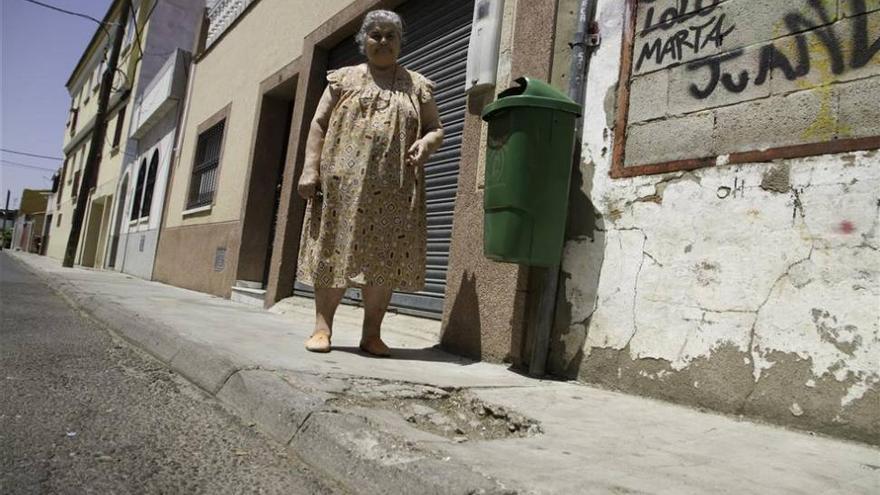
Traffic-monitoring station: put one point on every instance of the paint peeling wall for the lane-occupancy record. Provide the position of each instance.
(751, 288)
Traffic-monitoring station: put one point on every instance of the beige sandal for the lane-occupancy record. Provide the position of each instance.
(318, 342)
(381, 351)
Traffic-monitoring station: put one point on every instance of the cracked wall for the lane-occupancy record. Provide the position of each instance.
(750, 289)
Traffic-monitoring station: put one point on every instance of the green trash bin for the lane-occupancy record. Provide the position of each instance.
(528, 170)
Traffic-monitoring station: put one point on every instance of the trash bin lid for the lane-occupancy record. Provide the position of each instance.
(532, 93)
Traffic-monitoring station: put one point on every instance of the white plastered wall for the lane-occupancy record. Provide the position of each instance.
(777, 262)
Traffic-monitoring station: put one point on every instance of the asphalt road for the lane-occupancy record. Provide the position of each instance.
(83, 412)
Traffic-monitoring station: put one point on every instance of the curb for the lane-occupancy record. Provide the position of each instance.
(353, 449)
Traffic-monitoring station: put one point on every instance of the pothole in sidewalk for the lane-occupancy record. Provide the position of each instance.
(455, 414)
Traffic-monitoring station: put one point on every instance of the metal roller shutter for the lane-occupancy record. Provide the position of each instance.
(437, 35)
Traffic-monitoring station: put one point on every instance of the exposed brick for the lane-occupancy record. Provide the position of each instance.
(664, 12)
(681, 100)
(805, 117)
(859, 104)
(846, 35)
(753, 22)
(647, 97)
(821, 72)
(670, 139)
(847, 7)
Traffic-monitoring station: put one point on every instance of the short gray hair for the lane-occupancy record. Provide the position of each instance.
(373, 18)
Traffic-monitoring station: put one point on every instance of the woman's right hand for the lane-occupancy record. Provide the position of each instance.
(308, 184)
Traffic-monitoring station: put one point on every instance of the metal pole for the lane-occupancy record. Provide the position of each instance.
(97, 143)
(546, 311)
(5, 217)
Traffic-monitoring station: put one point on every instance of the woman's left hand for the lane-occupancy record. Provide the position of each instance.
(417, 154)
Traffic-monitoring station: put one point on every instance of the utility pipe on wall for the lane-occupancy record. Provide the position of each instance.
(581, 47)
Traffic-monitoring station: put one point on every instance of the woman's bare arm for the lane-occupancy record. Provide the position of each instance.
(310, 178)
(432, 135)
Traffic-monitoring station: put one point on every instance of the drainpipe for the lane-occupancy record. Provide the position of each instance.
(585, 39)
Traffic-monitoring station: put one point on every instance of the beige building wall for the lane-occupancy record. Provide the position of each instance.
(61, 220)
(266, 38)
(200, 251)
(84, 87)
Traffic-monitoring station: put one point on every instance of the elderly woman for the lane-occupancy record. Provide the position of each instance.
(375, 127)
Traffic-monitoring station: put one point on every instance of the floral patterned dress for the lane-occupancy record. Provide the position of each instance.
(368, 228)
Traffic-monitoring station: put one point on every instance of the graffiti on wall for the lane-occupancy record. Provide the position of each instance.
(709, 78)
(680, 34)
(771, 58)
(693, 27)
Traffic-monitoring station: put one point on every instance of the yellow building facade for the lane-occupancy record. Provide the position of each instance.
(84, 86)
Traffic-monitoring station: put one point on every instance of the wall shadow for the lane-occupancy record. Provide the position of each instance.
(585, 224)
(427, 354)
(460, 337)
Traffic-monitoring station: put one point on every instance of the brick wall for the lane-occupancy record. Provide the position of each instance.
(711, 78)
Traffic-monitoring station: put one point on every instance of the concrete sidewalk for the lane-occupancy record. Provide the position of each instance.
(429, 422)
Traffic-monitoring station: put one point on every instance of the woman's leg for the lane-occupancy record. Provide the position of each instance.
(326, 302)
(376, 301)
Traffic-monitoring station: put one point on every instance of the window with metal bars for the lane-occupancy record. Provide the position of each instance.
(204, 175)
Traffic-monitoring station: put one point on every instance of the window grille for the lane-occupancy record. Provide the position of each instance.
(204, 175)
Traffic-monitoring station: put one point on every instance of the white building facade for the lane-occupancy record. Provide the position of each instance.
(144, 178)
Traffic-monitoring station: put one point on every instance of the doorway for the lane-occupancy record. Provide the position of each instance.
(117, 223)
(264, 186)
(437, 38)
(92, 231)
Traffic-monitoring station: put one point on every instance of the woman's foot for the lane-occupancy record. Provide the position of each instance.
(374, 346)
(318, 342)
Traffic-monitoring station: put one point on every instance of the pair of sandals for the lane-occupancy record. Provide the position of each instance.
(320, 342)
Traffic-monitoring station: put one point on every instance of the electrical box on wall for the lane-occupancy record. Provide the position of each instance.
(482, 62)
